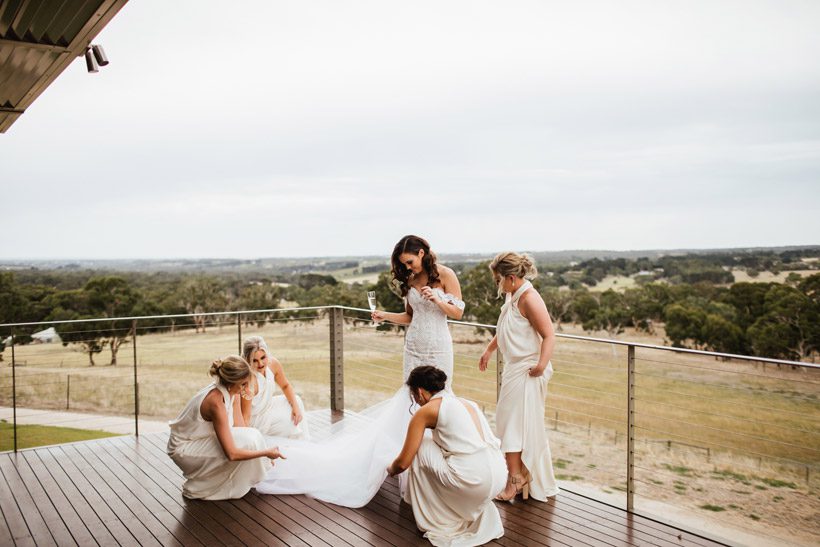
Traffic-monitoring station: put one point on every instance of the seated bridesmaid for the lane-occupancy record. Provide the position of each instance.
(219, 458)
(273, 415)
(455, 473)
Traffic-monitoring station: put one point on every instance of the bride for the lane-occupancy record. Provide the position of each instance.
(349, 467)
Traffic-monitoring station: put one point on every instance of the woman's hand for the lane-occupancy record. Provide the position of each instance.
(378, 316)
(393, 469)
(273, 453)
(428, 294)
(484, 360)
(296, 415)
(537, 371)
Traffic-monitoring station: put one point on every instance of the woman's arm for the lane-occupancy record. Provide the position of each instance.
(488, 352)
(450, 285)
(287, 389)
(532, 307)
(427, 416)
(213, 410)
(403, 318)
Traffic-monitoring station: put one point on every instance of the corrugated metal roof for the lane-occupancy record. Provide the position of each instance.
(38, 40)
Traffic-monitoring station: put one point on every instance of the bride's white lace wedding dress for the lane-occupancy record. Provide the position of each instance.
(349, 467)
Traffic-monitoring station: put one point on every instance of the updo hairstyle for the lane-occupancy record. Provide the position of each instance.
(427, 377)
(510, 263)
(251, 345)
(230, 370)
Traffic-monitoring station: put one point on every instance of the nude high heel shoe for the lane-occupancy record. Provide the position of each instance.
(516, 484)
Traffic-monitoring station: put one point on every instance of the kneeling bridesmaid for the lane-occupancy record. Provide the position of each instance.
(219, 458)
(273, 415)
(455, 473)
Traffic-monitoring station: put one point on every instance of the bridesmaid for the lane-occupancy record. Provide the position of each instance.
(219, 458)
(454, 473)
(526, 339)
(273, 415)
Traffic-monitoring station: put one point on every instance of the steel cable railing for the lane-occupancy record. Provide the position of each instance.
(631, 393)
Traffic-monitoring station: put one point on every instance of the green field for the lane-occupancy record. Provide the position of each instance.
(29, 436)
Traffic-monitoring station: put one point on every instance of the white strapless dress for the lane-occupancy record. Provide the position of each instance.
(349, 466)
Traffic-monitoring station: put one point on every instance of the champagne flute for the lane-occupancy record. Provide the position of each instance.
(371, 300)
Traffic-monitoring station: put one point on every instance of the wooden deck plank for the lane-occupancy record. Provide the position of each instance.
(125, 475)
(361, 534)
(75, 525)
(107, 503)
(126, 490)
(28, 507)
(126, 448)
(332, 532)
(86, 502)
(270, 532)
(568, 516)
(54, 524)
(292, 520)
(14, 517)
(225, 529)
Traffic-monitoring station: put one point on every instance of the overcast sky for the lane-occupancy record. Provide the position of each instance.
(304, 128)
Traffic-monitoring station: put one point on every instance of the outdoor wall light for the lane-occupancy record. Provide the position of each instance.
(94, 58)
(99, 55)
(90, 61)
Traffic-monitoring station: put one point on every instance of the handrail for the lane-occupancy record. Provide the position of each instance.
(639, 345)
(462, 323)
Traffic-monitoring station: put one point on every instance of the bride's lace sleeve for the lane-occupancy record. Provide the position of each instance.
(447, 297)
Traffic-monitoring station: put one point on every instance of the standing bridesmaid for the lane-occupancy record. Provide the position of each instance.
(526, 339)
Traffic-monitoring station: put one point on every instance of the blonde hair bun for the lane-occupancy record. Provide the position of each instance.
(230, 370)
(518, 264)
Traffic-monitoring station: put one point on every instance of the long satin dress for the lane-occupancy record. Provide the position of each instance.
(195, 449)
(455, 476)
(520, 411)
(271, 413)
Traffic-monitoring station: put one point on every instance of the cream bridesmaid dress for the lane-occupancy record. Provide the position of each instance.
(455, 476)
(520, 411)
(270, 413)
(195, 449)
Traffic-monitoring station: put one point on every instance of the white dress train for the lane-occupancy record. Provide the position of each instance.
(519, 414)
(271, 413)
(193, 446)
(455, 476)
(349, 467)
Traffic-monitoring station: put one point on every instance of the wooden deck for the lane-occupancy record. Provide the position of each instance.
(127, 491)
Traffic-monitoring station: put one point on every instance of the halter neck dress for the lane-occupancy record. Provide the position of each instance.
(520, 410)
(455, 476)
(194, 447)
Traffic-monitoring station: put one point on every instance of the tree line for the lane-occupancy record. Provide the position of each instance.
(780, 320)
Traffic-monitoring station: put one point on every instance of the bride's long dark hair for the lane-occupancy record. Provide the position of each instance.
(401, 275)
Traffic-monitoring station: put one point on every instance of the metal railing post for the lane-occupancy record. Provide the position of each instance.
(630, 424)
(136, 384)
(239, 332)
(337, 378)
(14, 390)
